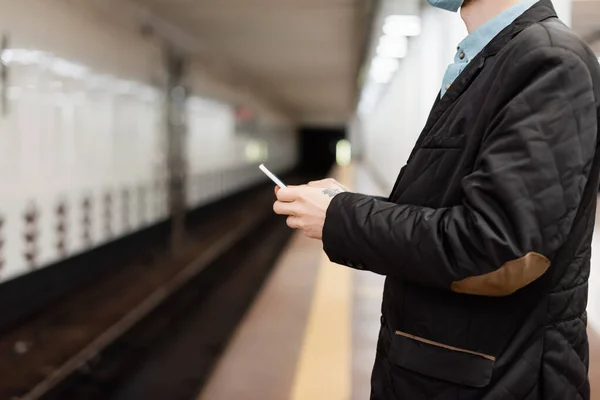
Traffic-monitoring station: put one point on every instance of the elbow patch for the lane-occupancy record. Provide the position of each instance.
(506, 280)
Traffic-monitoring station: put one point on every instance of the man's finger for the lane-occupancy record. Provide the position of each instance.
(289, 194)
(276, 188)
(284, 208)
(294, 222)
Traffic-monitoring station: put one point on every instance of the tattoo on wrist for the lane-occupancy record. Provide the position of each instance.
(331, 192)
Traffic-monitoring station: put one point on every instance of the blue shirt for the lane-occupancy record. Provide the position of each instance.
(479, 38)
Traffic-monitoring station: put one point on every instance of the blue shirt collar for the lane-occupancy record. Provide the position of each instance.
(479, 38)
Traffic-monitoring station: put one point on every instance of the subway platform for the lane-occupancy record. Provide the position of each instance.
(312, 331)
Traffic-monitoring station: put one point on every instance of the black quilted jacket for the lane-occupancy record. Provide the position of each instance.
(485, 239)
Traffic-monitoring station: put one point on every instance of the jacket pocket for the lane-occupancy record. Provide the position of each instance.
(440, 361)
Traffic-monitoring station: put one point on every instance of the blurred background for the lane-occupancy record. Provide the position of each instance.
(139, 255)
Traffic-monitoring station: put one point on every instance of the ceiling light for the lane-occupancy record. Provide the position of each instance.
(382, 69)
(369, 98)
(402, 25)
(6, 56)
(23, 56)
(392, 46)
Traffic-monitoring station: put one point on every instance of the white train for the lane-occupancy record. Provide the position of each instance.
(82, 135)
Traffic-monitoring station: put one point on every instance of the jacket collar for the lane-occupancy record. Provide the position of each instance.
(478, 39)
(537, 13)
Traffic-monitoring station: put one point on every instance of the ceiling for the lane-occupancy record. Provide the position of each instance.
(301, 57)
(303, 54)
(586, 21)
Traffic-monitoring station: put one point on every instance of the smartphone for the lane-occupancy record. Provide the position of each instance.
(271, 175)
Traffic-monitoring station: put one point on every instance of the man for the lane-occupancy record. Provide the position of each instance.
(485, 239)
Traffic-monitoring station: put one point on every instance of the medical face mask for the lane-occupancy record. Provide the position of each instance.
(449, 5)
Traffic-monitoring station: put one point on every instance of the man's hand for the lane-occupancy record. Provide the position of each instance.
(306, 206)
(328, 183)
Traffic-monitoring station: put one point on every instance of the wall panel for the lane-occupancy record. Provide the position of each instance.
(82, 148)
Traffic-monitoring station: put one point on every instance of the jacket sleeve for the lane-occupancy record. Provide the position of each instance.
(379, 198)
(519, 202)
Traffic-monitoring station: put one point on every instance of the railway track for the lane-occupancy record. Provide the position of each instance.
(165, 319)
